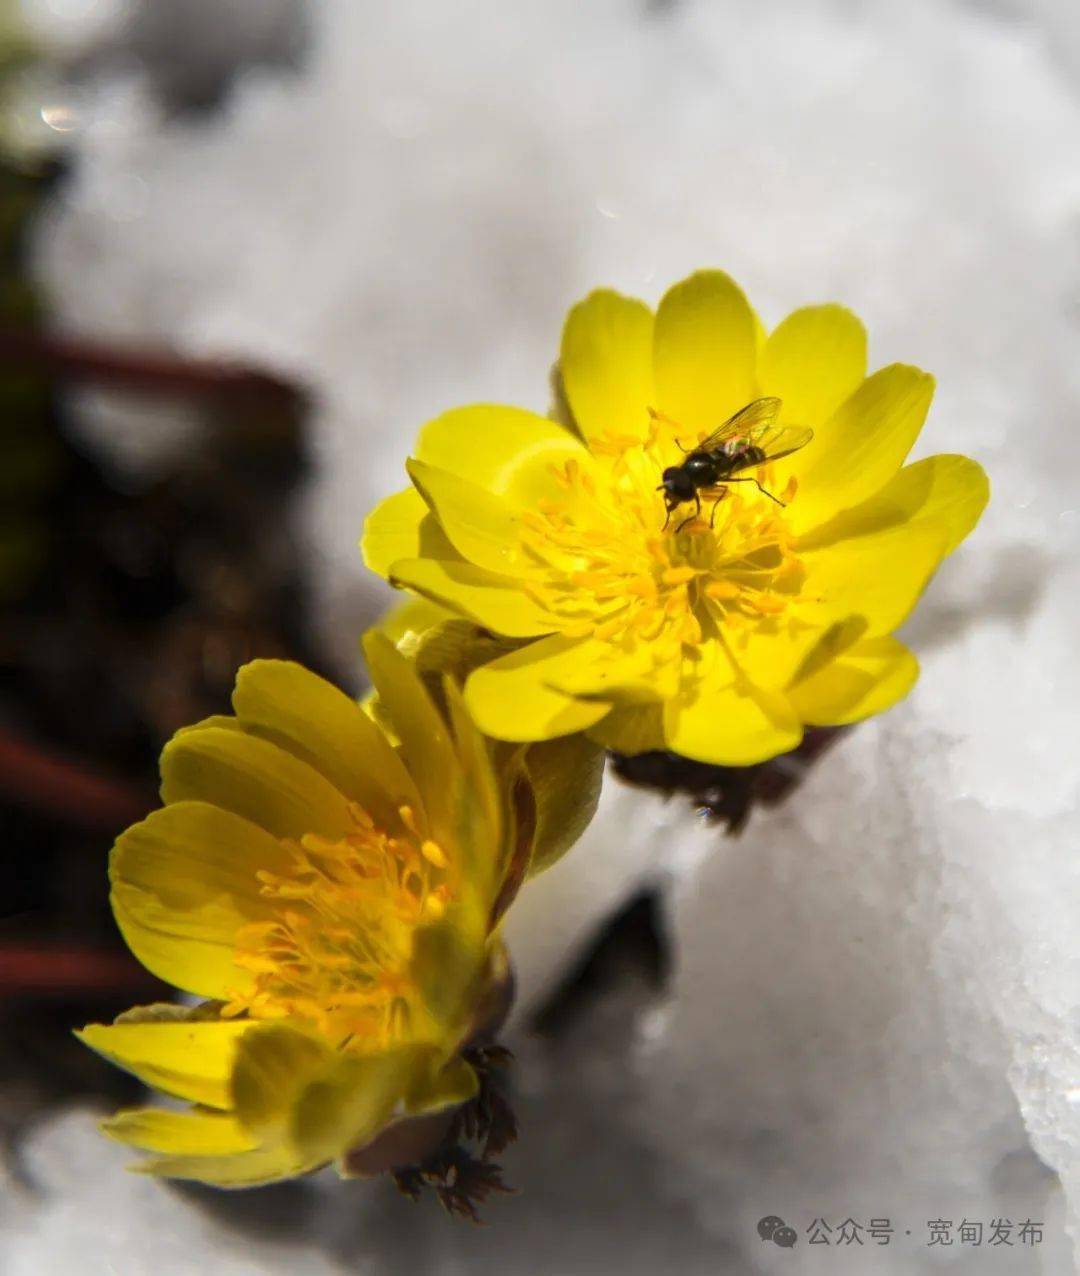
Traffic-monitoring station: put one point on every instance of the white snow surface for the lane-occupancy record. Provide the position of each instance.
(875, 1007)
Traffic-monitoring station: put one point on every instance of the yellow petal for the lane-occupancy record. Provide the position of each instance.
(482, 527)
(831, 644)
(411, 1136)
(224, 720)
(951, 491)
(879, 576)
(861, 447)
(441, 1086)
(729, 722)
(606, 365)
(183, 883)
(541, 477)
(493, 446)
(493, 601)
(630, 729)
(190, 1059)
(565, 776)
(704, 350)
(402, 526)
(426, 745)
(408, 621)
(513, 697)
(275, 1063)
(813, 361)
(252, 778)
(868, 678)
(322, 726)
(480, 822)
(244, 1169)
(192, 1133)
(607, 671)
(448, 958)
(771, 653)
(455, 646)
(356, 1098)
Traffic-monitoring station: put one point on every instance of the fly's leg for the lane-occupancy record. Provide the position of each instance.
(690, 519)
(765, 491)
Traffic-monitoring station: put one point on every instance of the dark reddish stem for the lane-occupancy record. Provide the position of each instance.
(70, 968)
(39, 780)
(154, 371)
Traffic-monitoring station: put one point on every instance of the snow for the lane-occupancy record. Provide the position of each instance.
(75, 1210)
(874, 1009)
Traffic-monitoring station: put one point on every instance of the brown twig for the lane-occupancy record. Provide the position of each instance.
(35, 778)
(29, 968)
(153, 371)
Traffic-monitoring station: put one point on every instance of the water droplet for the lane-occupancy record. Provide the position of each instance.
(61, 117)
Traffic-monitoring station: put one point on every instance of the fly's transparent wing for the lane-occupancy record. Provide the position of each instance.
(755, 417)
(776, 441)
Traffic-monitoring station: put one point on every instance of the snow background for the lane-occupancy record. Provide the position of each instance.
(874, 1008)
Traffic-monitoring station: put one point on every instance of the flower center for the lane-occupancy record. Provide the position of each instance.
(338, 949)
(606, 564)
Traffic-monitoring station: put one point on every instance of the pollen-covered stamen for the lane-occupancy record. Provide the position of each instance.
(337, 946)
(606, 565)
(754, 570)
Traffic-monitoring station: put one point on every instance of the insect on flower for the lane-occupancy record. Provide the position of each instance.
(748, 439)
(550, 533)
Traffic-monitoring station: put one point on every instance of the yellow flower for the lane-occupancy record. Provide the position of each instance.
(335, 894)
(718, 637)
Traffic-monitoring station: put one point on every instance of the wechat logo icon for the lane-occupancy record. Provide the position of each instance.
(773, 1228)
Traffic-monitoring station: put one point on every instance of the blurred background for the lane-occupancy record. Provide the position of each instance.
(246, 248)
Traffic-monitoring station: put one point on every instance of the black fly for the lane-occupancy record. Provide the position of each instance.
(748, 439)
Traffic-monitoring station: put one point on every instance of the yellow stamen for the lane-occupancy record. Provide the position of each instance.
(434, 853)
(337, 944)
(604, 563)
(678, 575)
(767, 604)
